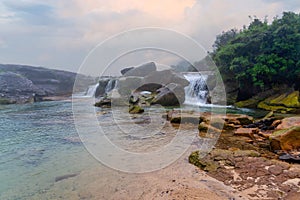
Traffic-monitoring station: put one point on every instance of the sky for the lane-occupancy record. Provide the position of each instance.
(60, 33)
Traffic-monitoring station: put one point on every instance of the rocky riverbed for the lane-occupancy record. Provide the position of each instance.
(256, 157)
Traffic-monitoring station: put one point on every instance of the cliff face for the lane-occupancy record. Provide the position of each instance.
(21, 84)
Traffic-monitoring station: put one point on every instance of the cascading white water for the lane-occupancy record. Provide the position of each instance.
(196, 92)
(110, 85)
(91, 90)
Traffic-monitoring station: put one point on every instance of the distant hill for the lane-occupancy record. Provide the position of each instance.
(22, 83)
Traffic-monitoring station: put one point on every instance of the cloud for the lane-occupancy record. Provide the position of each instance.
(67, 29)
(31, 13)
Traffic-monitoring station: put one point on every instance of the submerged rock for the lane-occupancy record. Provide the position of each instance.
(105, 102)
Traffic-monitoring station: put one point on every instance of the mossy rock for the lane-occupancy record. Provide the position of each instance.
(286, 139)
(246, 153)
(288, 100)
(249, 103)
(265, 106)
(135, 109)
(284, 103)
(103, 103)
(204, 164)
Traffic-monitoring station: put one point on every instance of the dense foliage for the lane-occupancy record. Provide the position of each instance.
(261, 55)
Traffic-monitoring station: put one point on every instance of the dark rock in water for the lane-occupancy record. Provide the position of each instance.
(264, 124)
(151, 87)
(100, 91)
(167, 97)
(172, 93)
(105, 102)
(60, 178)
(105, 86)
(125, 70)
(142, 70)
(290, 158)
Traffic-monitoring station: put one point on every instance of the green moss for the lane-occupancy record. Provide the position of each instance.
(135, 109)
(277, 108)
(290, 100)
(206, 165)
(250, 103)
(284, 103)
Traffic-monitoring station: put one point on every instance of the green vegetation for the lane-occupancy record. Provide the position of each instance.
(261, 56)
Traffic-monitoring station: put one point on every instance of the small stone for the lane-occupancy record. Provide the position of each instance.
(275, 170)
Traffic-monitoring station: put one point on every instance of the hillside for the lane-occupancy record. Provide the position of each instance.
(22, 83)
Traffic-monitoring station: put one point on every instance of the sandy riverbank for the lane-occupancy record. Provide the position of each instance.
(179, 181)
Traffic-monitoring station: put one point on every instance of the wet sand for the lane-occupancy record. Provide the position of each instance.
(179, 181)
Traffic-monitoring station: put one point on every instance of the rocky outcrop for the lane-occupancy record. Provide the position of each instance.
(281, 99)
(141, 71)
(172, 91)
(128, 84)
(166, 77)
(15, 88)
(167, 97)
(21, 84)
(284, 103)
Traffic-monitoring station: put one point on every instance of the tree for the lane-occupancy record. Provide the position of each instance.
(261, 55)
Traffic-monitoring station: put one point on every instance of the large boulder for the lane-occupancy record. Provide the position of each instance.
(125, 70)
(169, 96)
(289, 122)
(165, 77)
(129, 84)
(286, 139)
(142, 70)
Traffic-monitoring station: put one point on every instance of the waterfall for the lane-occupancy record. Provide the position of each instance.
(110, 85)
(103, 87)
(196, 92)
(91, 90)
